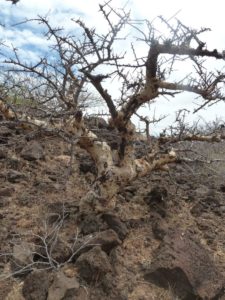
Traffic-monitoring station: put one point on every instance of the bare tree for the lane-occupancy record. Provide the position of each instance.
(52, 81)
(143, 79)
(13, 1)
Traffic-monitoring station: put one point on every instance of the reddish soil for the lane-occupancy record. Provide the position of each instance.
(39, 206)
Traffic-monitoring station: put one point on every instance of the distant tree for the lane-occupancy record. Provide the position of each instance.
(13, 1)
(51, 80)
(93, 58)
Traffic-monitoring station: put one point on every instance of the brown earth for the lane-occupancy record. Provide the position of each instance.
(164, 240)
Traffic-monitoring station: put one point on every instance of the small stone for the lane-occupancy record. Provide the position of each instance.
(22, 257)
(87, 165)
(157, 200)
(107, 240)
(36, 286)
(23, 253)
(15, 176)
(159, 227)
(78, 294)
(130, 188)
(118, 226)
(222, 188)
(222, 209)
(93, 265)
(14, 162)
(60, 250)
(3, 153)
(91, 223)
(7, 191)
(61, 286)
(33, 151)
(5, 131)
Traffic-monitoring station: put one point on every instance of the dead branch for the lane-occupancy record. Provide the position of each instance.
(93, 59)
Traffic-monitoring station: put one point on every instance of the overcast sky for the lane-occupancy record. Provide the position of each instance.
(194, 13)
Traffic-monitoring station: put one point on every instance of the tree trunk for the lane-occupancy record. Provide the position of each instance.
(112, 174)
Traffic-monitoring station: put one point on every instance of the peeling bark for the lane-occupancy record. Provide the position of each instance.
(111, 176)
(6, 111)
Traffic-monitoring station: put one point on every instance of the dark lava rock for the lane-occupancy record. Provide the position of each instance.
(159, 227)
(59, 249)
(139, 223)
(208, 204)
(87, 165)
(15, 163)
(128, 192)
(33, 151)
(76, 294)
(141, 148)
(209, 227)
(6, 191)
(106, 240)
(157, 195)
(3, 153)
(36, 286)
(15, 176)
(157, 200)
(4, 132)
(222, 188)
(93, 265)
(114, 223)
(3, 202)
(91, 223)
(183, 264)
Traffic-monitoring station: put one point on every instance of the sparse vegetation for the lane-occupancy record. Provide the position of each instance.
(117, 216)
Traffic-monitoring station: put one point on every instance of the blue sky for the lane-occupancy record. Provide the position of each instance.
(28, 37)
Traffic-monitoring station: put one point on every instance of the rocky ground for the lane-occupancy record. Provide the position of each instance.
(164, 240)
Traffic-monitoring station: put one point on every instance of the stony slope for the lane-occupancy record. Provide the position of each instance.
(164, 240)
